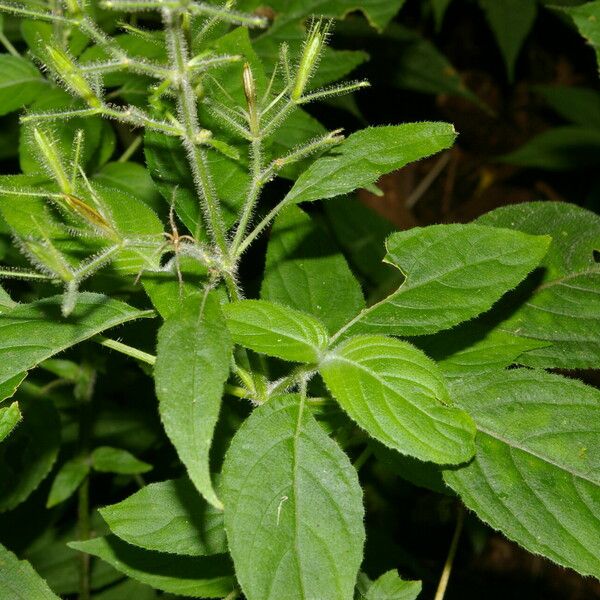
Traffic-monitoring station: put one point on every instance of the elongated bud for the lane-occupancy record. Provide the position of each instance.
(313, 46)
(68, 71)
(250, 92)
(52, 160)
(86, 212)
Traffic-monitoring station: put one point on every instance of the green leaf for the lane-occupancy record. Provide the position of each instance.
(398, 395)
(170, 517)
(378, 12)
(439, 11)
(559, 305)
(587, 20)
(366, 155)
(168, 165)
(18, 580)
(362, 233)
(559, 149)
(20, 83)
(276, 330)
(67, 480)
(27, 455)
(9, 386)
(536, 473)
(9, 419)
(198, 577)
(452, 274)
(293, 507)
(132, 178)
(421, 474)
(391, 587)
(192, 365)
(115, 460)
(576, 104)
(305, 270)
(511, 21)
(418, 65)
(474, 348)
(31, 333)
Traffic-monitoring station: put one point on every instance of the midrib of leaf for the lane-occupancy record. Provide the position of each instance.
(513, 444)
(295, 487)
(568, 277)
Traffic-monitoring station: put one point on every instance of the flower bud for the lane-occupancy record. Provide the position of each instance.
(68, 71)
(313, 46)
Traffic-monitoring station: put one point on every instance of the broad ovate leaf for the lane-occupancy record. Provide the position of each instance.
(198, 577)
(192, 365)
(365, 155)
(536, 473)
(30, 333)
(399, 396)
(293, 507)
(168, 516)
(560, 303)
(305, 270)
(452, 274)
(276, 330)
(18, 580)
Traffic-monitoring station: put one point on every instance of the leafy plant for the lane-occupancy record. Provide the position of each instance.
(268, 381)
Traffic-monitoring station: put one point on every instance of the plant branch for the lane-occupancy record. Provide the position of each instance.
(443, 584)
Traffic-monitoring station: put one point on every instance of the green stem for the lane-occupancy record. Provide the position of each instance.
(186, 104)
(265, 222)
(253, 194)
(83, 524)
(130, 150)
(6, 43)
(363, 458)
(443, 584)
(140, 355)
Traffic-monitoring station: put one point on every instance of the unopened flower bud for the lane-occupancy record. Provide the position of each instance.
(313, 46)
(68, 71)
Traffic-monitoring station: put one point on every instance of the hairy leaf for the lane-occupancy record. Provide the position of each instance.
(31, 333)
(192, 365)
(536, 473)
(305, 270)
(293, 507)
(366, 155)
(587, 20)
(398, 395)
(452, 274)
(170, 517)
(276, 330)
(560, 304)
(198, 577)
(18, 580)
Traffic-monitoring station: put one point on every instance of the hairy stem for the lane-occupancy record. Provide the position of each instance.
(188, 112)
